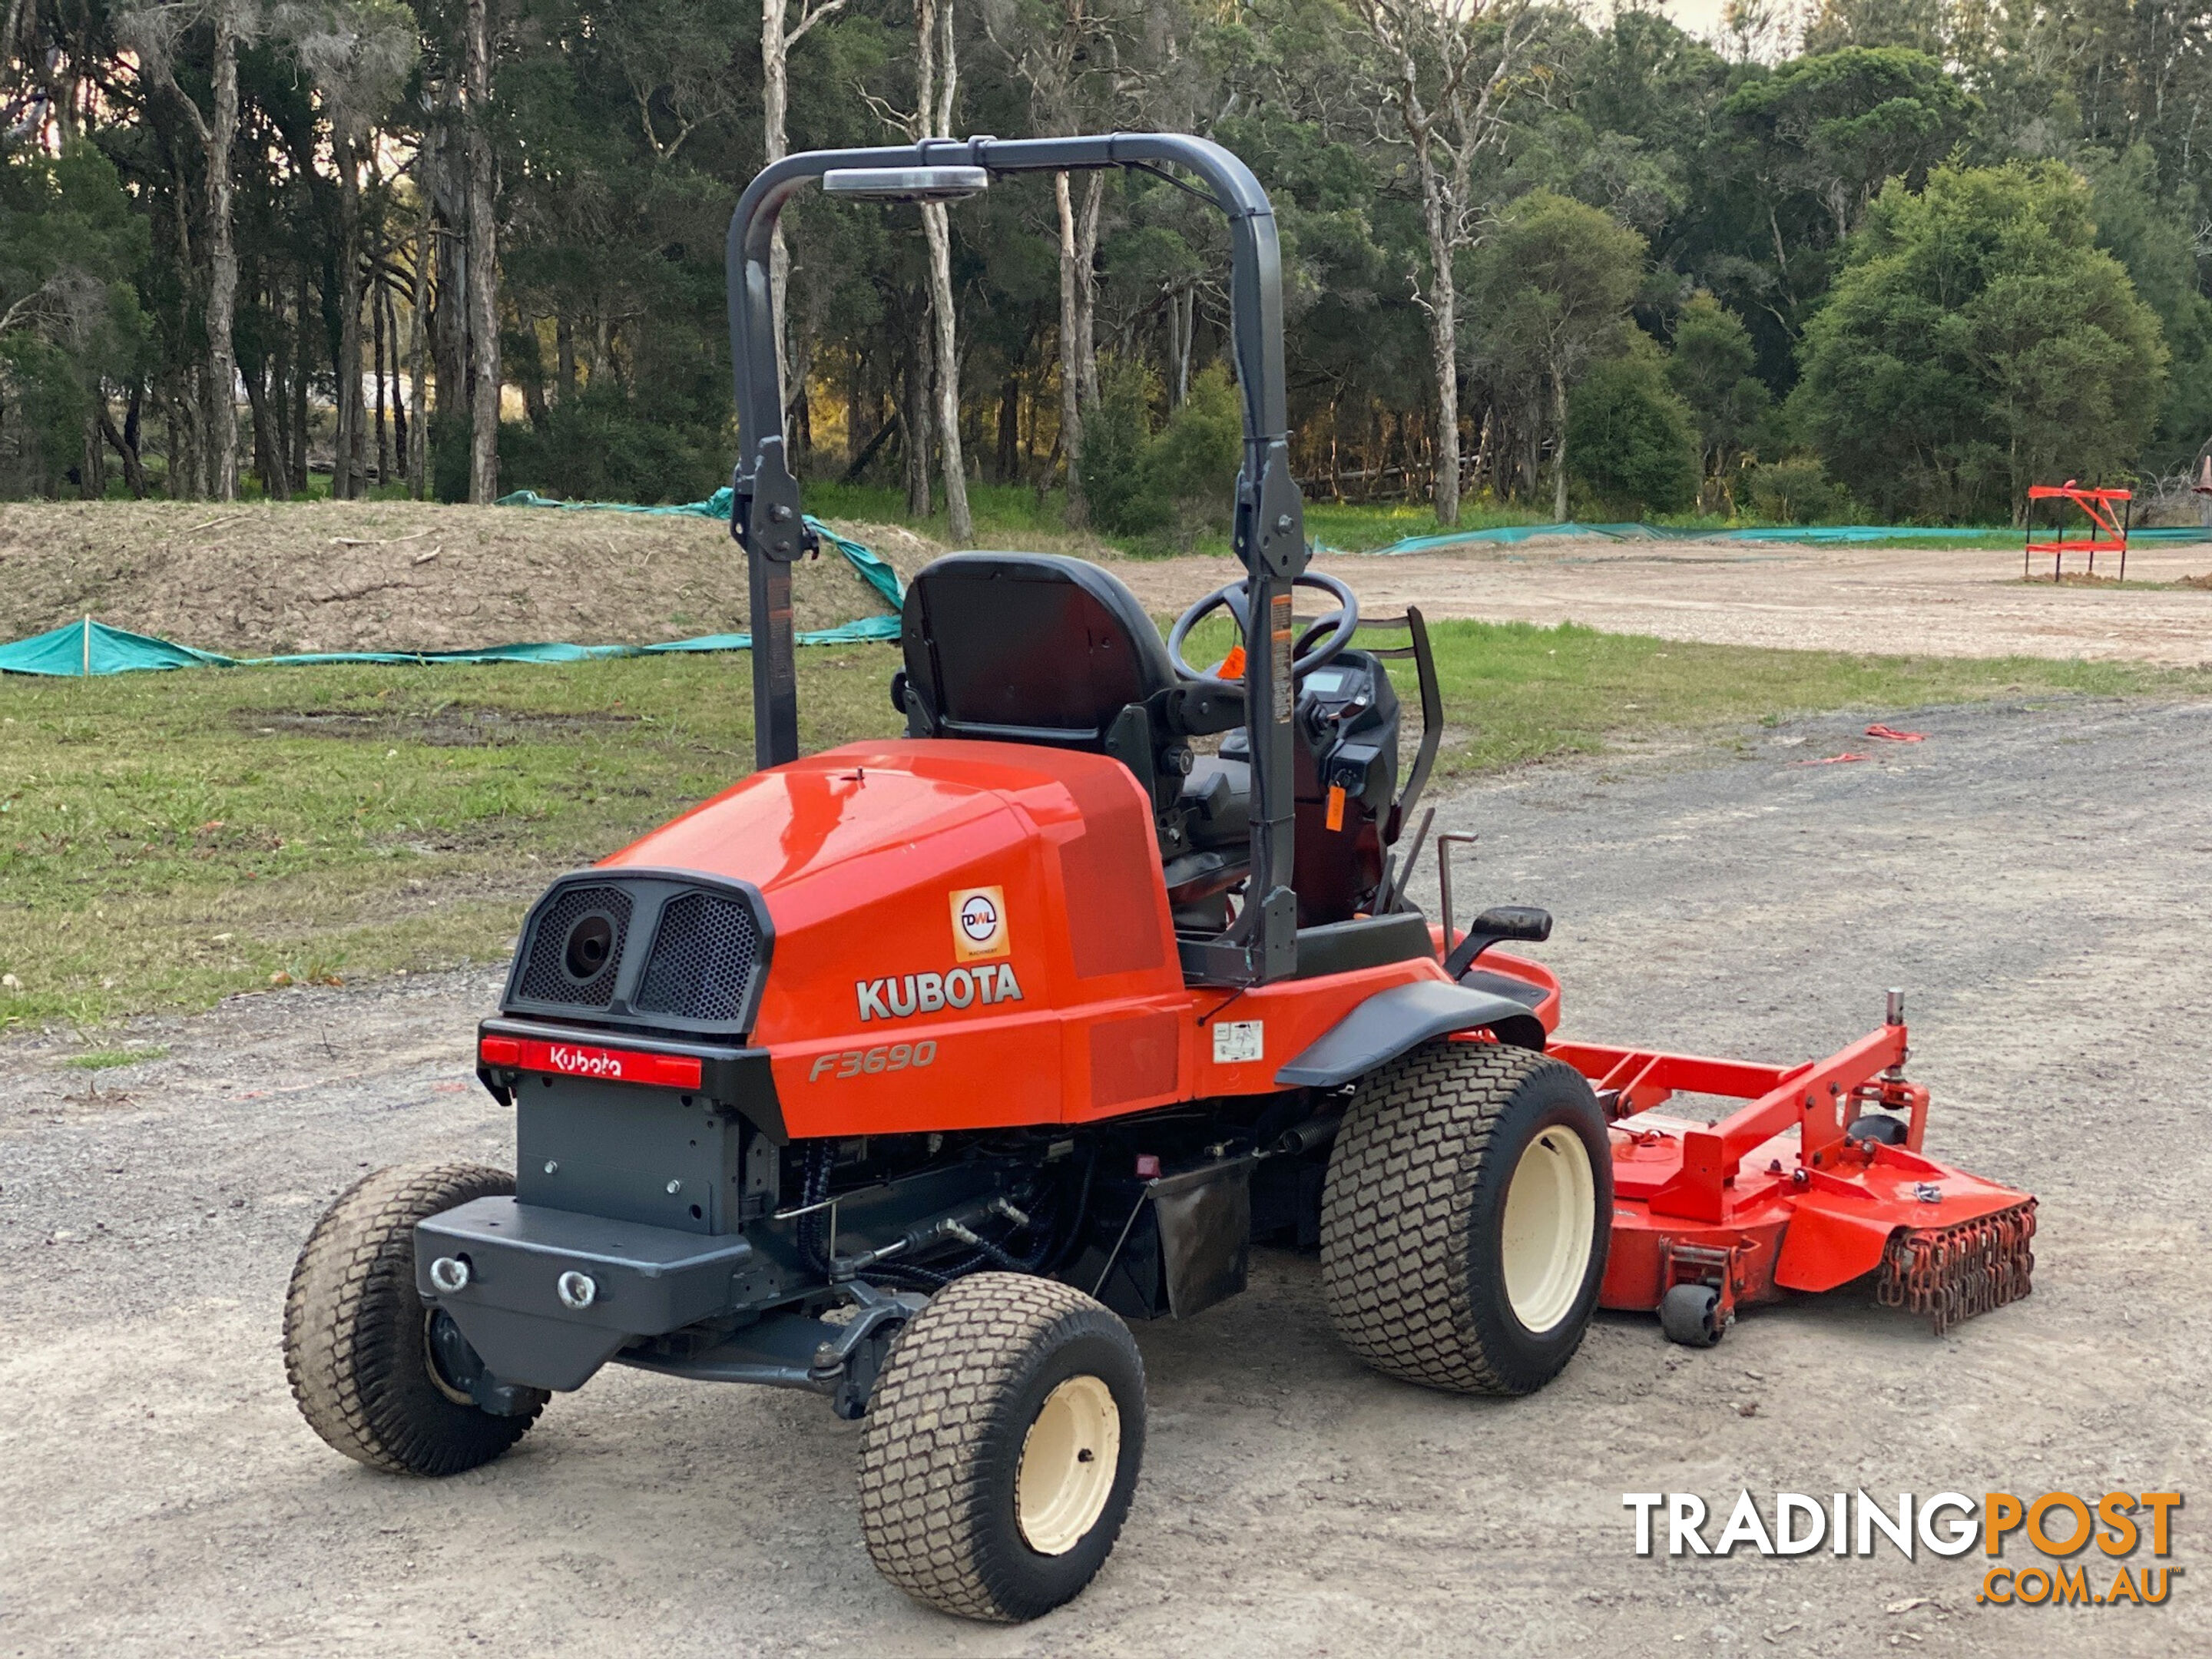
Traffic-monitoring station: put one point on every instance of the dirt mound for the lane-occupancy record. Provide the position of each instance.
(398, 575)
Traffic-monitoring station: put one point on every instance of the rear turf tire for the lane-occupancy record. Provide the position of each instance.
(355, 1345)
(1002, 1446)
(1466, 1216)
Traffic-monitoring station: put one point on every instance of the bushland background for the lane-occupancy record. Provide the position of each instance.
(1867, 258)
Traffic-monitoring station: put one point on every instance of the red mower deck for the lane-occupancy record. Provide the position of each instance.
(1820, 1179)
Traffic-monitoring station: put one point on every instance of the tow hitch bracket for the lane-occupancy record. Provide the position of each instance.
(839, 1358)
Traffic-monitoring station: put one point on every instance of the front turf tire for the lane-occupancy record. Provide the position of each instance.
(1466, 1217)
(356, 1332)
(1002, 1446)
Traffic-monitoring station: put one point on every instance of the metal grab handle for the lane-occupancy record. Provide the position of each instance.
(1443, 877)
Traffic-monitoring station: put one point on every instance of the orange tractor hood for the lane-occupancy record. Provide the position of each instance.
(936, 891)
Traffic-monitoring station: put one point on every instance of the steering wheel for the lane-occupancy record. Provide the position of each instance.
(1337, 626)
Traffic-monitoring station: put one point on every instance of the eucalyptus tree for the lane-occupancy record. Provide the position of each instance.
(154, 29)
(936, 92)
(1557, 279)
(1449, 70)
(782, 29)
(357, 54)
(1067, 54)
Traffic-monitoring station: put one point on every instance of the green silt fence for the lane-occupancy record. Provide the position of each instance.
(88, 647)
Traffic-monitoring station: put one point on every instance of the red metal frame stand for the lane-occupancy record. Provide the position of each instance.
(2108, 526)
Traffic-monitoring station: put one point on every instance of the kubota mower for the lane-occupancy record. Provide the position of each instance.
(905, 1074)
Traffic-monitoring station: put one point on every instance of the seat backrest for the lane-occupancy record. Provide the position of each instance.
(1028, 648)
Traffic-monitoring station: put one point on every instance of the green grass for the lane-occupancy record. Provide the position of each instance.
(1015, 515)
(108, 1059)
(1513, 692)
(169, 839)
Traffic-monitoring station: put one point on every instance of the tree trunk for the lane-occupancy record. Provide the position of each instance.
(449, 319)
(775, 96)
(1183, 331)
(419, 352)
(15, 15)
(298, 390)
(564, 359)
(914, 416)
(527, 371)
(266, 466)
(1485, 448)
(483, 264)
(1444, 336)
(399, 402)
(346, 467)
(1007, 464)
(92, 456)
(181, 406)
(960, 525)
(1559, 447)
(1086, 284)
(1072, 282)
(125, 444)
(376, 309)
(279, 482)
(223, 263)
(937, 83)
(797, 412)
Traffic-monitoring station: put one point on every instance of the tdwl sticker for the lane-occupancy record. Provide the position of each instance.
(1238, 1040)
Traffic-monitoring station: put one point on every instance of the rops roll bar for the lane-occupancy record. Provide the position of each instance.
(1270, 523)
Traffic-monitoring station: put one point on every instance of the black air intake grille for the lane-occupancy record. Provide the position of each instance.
(546, 978)
(702, 959)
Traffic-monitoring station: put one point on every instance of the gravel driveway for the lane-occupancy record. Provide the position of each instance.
(1913, 601)
(2039, 879)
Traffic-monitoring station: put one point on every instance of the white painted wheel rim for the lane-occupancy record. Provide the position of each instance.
(1550, 1215)
(1068, 1461)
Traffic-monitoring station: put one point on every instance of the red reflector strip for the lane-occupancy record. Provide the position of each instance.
(578, 1059)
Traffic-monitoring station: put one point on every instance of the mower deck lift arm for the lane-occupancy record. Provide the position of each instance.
(1261, 945)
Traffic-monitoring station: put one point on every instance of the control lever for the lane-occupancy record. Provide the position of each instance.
(1500, 921)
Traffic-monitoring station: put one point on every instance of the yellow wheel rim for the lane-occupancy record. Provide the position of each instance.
(1550, 1215)
(1068, 1461)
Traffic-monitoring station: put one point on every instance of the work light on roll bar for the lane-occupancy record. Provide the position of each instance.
(906, 183)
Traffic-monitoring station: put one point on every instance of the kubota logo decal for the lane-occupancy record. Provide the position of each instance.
(897, 997)
(979, 924)
(583, 1063)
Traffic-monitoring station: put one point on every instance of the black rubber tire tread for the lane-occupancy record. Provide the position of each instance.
(1398, 1274)
(930, 1461)
(353, 1329)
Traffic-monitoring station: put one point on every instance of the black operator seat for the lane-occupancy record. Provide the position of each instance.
(1027, 647)
(1038, 647)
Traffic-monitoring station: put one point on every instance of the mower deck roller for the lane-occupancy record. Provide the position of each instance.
(911, 1072)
